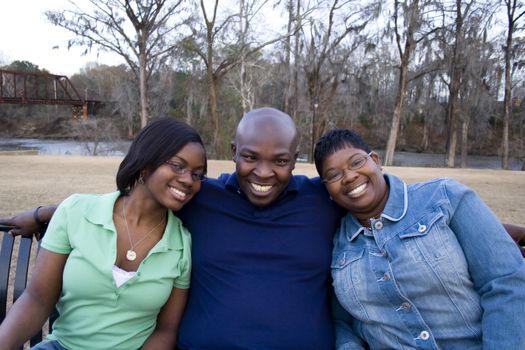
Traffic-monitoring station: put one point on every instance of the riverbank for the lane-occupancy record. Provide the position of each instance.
(31, 180)
(119, 148)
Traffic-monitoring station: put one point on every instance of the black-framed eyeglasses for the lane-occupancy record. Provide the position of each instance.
(181, 169)
(354, 163)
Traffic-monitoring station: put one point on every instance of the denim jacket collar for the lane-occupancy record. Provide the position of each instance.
(395, 208)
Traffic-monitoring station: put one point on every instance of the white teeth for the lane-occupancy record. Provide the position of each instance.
(358, 190)
(178, 193)
(261, 188)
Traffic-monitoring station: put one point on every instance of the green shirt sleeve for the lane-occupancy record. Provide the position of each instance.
(183, 282)
(56, 238)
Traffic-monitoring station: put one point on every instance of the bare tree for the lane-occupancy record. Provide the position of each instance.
(408, 17)
(293, 28)
(477, 93)
(425, 93)
(470, 22)
(514, 11)
(106, 25)
(221, 51)
(332, 39)
(124, 92)
(455, 80)
(248, 10)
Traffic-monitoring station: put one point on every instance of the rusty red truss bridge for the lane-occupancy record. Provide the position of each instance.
(44, 88)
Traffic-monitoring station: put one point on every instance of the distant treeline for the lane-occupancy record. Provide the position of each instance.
(420, 76)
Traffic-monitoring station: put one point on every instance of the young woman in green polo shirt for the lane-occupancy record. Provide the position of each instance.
(117, 265)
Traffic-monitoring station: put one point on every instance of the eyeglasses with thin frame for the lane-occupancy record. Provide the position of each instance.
(354, 163)
(181, 169)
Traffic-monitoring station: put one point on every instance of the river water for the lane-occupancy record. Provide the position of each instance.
(65, 147)
(119, 148)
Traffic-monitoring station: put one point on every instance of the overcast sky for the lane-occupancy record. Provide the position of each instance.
(26, 35)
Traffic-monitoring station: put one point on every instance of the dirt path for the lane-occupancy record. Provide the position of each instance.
(30, 180)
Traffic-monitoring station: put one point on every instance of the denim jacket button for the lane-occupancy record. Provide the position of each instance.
(405, 305)
(378, 225)
(386, 277)
(422, 228)
(424, 335)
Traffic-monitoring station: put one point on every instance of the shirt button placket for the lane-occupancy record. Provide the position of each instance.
(404, 306)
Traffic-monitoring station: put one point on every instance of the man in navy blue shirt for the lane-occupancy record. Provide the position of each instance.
(261, 248)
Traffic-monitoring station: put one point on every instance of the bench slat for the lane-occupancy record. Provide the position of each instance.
(23, 259)
(5, 265)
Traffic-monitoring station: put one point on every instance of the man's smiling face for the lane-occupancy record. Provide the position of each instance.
(265, 150)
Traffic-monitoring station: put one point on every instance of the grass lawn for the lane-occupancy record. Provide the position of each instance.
(30, 180)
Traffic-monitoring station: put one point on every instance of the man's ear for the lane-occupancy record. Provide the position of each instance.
(295, 159)
(233, 148)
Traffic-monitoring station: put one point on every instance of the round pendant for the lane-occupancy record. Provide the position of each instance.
(131, 255)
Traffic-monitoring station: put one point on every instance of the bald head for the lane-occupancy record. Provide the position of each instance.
(267, 121)
(264, 150)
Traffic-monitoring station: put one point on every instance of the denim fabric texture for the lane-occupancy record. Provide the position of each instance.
(437, 270)
(48, 345)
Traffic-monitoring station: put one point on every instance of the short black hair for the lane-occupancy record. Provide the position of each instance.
(157, 142)
(335, 140)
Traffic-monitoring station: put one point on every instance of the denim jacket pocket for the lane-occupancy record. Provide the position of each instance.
(347, 272)
(426, 239)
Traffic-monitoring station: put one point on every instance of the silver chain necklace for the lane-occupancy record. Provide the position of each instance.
(131, 255)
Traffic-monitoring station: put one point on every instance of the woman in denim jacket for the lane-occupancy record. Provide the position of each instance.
(421, 266)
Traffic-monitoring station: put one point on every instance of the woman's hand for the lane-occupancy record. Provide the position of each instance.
(25, 223)
(22, 224)
(518, 235)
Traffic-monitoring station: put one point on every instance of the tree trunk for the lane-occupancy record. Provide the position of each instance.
(242, 61)
(288, 54)
(297, 58)
(505, 135)
(455, 82)
(398, 110)
(144, 117)
(452, 130)
(189, 106)
(212, 97)
(464, 140)
(212, 80)
(313, 108)
(508, 90)
(404, 58)
(424, 140)
(522, 143)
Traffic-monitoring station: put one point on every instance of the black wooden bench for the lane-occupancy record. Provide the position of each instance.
(12, 288)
